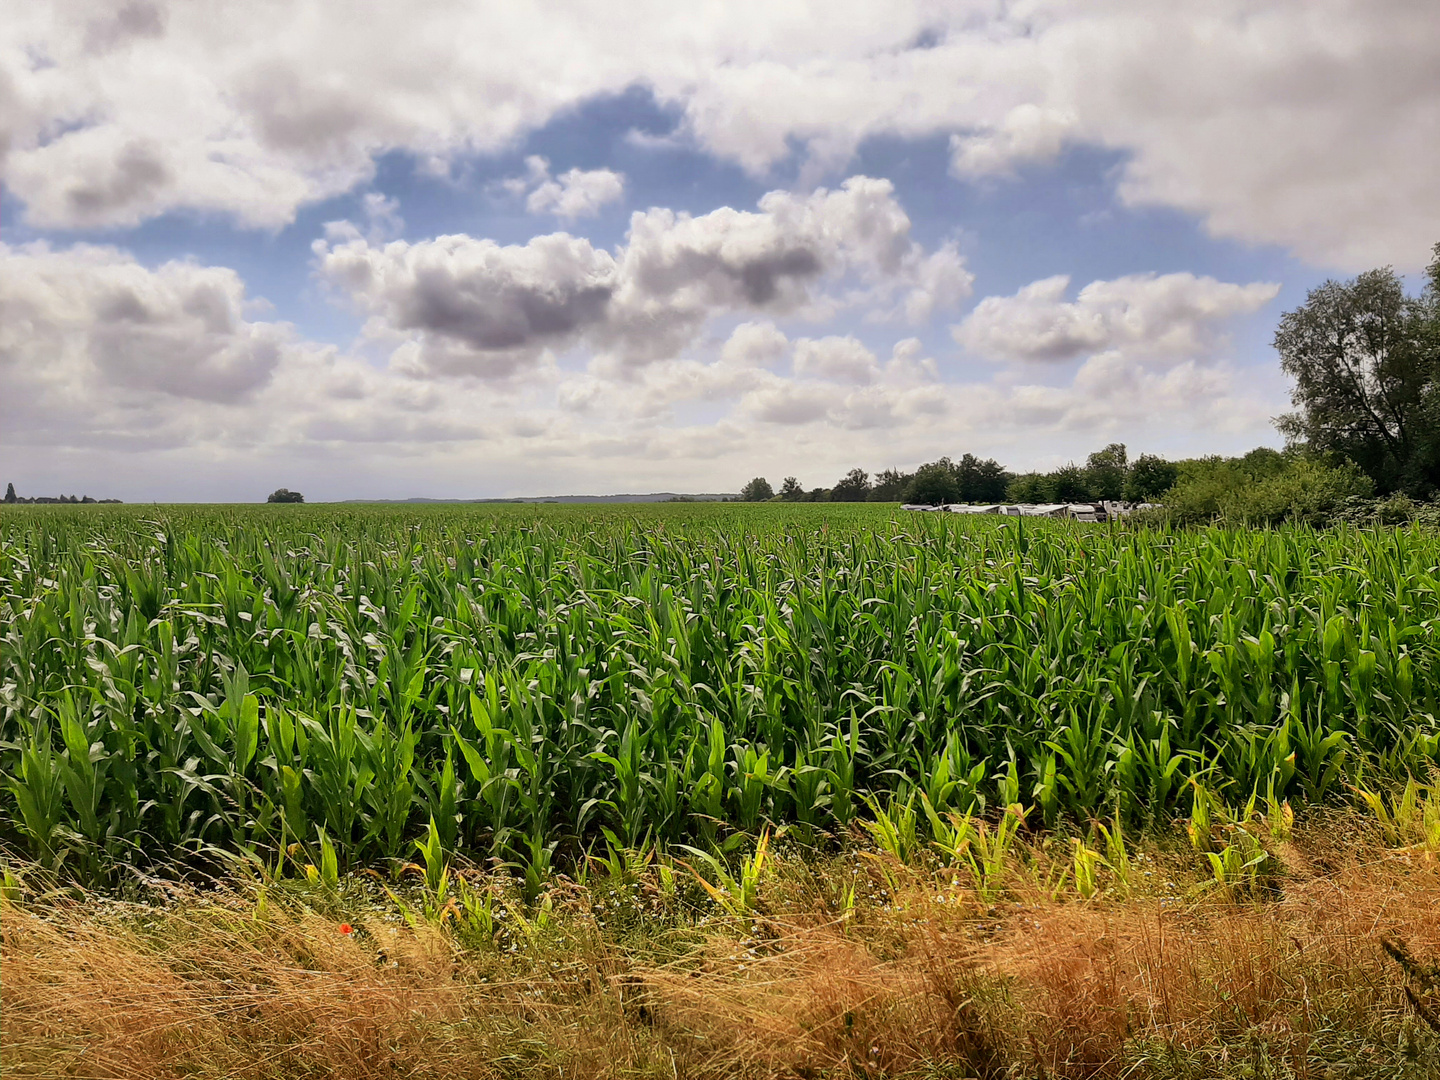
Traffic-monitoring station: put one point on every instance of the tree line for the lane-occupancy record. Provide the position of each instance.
(11, 497)
(1106, 474)
(1363, 439)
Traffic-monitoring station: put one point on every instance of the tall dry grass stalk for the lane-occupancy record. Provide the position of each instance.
(922, 979)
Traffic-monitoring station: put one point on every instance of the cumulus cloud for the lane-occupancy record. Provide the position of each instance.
(1027, 133)
(764, 378)
(474, 307)
(575, 193)
(91, 315)
(161, 382)
(1174, 315)
(97, 350)
(478, 307)
(843, 359)
(111, 116)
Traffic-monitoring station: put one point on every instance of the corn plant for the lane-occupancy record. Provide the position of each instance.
(1086, 862)
(183, 683)
(1237, 868)
(737, 894)
(987, 852)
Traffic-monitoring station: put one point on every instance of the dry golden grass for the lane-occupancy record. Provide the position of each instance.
(920, 980)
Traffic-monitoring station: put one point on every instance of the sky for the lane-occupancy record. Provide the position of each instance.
(453, 249)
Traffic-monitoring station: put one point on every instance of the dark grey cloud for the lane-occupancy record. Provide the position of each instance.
(487, 310)
(135, 177)
(761, 278)
(490, 313)
(133, 20)
(479, 308)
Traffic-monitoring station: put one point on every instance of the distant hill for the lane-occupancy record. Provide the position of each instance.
(653, 497)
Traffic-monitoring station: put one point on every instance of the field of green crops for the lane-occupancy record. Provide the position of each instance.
(178, 682)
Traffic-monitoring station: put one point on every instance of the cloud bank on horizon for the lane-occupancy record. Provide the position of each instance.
(855, 239)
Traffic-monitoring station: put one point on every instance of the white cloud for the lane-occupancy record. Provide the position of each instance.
(1173, 315)
(575, 193)
(473, 307)
(99, 351)
(1026, 134)
(843, 359)
(1303, 124)
(382, 220)
(90, 328)
(158, 383)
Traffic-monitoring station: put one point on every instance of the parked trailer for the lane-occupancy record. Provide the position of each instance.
(1098, 512)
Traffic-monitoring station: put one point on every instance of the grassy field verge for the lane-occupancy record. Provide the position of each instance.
(1029, 960)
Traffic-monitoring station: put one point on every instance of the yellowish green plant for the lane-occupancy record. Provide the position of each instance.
(1117, 856)
(894, 828)
(987, 852)
(1086, 862)
(1237, 867)
(737, 894)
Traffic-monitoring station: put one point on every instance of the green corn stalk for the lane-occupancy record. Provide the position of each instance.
(988, 853)
(242, 680)
(894, 828)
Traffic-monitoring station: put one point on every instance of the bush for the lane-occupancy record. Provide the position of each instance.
(1398, 509)
(285, 495)
(1264, 489)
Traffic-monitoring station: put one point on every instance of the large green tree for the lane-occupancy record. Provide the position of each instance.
(757, 490)
(1365, 358)
(889, 486)
(933, 485)
(981, 481)
(854, 486)
(1149, 478)
(1106, 472)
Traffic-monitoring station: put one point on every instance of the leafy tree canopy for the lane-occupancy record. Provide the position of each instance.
(757, 490)
(1150, 477)
(889, 486)
(934, 485)
(1365, 359)
(853, 487)
(1106, 472)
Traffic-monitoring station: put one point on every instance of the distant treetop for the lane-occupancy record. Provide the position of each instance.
(11, 497)
(757, 490)
(285, 495)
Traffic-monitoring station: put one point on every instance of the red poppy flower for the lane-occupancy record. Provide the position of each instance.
(346, 928)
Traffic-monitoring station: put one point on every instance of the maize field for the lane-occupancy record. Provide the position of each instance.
(193, 683)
